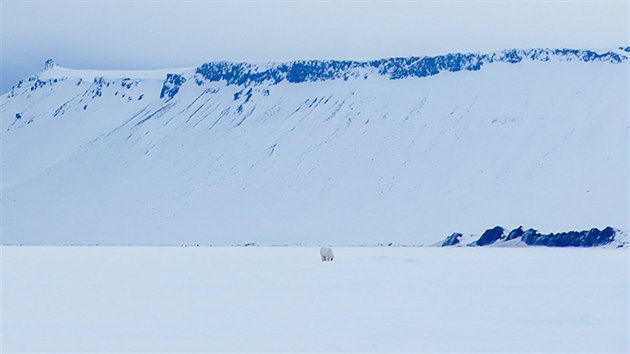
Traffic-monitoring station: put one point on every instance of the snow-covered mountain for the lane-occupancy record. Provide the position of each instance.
(518, 237)
(400, 150)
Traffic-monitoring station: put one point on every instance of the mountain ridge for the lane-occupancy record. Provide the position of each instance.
(498, 236)
(295, 71)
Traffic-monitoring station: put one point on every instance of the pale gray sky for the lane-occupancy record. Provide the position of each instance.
(160, 34)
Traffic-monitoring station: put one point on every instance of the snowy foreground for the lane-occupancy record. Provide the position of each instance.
(284, 299)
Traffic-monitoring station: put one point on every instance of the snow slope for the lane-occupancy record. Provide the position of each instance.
(401, 150)
(285, 300)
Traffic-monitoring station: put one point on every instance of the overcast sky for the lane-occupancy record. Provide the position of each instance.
(162, 34)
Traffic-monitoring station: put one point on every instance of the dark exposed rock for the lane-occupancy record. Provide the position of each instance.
(490, 236)
(586, 238)
(394, 68)
(452, 240)
(49, 64)
(171, 85)
(516, 233)
(530, 234)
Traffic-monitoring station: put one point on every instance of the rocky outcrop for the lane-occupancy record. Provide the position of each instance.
(490, 236)
(587, 238)
(452, 240)
(497, 236)
(393, 68)
(171, 85)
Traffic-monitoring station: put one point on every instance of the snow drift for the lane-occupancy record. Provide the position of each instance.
(397, 150)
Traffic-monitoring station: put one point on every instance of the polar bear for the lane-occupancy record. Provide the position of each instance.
(326, 253)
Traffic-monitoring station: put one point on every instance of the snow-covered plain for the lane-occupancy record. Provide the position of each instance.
(284, 299)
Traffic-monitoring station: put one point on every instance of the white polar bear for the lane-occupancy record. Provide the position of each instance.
(326, 253)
